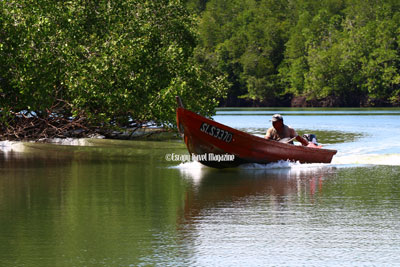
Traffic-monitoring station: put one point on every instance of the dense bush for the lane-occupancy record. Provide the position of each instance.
(109, 62)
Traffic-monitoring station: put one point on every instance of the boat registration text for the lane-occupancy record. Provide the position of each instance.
(216, 132)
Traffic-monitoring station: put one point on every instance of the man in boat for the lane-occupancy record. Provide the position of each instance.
(283, 133)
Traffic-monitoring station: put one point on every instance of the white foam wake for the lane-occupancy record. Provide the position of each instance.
(339, 161)
(189, 165)
(255, 166)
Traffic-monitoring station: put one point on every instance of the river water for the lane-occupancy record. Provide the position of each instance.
(122, 203)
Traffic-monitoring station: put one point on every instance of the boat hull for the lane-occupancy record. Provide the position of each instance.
(203, 136)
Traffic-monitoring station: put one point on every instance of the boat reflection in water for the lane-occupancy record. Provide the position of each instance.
(278, 184)
(255, 214)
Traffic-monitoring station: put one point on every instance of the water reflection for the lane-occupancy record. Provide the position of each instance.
(279, 185)
(235, 213)
(76, 206)
(124, 205)
(307, 215)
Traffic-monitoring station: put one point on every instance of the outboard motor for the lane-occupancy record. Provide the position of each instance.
(311, 138)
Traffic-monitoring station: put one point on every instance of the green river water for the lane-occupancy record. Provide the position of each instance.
(124, 203)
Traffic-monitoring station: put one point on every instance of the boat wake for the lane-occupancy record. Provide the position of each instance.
(196, 172)
(189, 165)
(339, 161)
(255, 166)
(282, 165)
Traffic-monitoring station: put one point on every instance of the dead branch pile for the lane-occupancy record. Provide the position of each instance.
(52, 123)
(57, 123)
(26, 126)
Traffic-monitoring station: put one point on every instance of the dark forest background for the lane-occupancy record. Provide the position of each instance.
(303, 52)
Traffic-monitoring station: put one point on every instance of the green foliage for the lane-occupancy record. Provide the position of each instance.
(110, 61)
(359, 59)
(246, 38)
(196, 6)
(341, 49)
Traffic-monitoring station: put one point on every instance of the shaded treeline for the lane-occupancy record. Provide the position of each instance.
(303, 52)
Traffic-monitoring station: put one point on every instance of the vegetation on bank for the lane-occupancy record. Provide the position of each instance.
(82, 67)
(304, 52)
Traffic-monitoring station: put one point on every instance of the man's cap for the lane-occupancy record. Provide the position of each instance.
(277, 117)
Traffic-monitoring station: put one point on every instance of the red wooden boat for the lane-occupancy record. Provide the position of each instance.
(219, 146)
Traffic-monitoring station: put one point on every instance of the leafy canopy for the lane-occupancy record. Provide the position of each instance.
(109, 61)
(346, 50)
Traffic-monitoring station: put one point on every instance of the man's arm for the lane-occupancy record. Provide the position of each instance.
(299, 138)
(303, 141)
(268, 134)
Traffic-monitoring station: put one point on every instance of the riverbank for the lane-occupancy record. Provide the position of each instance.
(48, 132)
(151, 131)
(304, 102)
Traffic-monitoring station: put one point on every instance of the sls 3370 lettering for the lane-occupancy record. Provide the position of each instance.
(216, 132)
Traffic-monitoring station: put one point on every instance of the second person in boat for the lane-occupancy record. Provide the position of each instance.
(283, 133)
